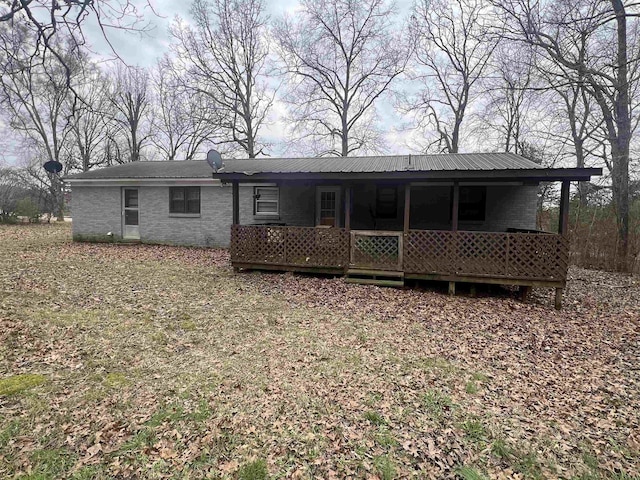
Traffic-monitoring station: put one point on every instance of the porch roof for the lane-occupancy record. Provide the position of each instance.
(476, 166)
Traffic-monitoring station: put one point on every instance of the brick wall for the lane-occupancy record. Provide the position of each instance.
(297, 206)
(508, 206)
(97, 211)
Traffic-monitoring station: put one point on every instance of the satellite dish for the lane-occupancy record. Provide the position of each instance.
(53, 167)
(214, 159)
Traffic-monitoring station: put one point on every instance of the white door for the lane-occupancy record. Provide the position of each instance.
(328, 206)
(130, 213)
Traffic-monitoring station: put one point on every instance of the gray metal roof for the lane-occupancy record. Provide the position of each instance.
(380, 164)
(440, 166)
(166, 169)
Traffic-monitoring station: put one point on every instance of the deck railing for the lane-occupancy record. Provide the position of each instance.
(290, 246)
(525, 256)
(521, 256)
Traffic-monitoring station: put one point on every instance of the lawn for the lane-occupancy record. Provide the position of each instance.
(160, 362)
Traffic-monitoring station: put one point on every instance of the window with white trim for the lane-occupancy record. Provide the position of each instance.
(184, 200)
(266, 201)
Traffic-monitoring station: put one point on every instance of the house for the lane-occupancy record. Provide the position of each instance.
(168, 202)
(384, 219)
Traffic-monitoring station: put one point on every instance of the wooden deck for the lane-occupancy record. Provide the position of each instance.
(528, 259)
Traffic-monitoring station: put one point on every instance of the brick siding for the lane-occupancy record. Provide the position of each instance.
(97, 211)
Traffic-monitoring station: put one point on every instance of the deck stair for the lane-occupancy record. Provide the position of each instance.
(383, 278)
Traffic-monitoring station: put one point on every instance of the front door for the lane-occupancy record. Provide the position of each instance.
(130, 214)
(328, 206)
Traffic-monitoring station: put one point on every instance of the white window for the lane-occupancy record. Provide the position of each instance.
(266, 201)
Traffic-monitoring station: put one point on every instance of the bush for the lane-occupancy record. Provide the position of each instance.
(8, 217)
(27, 208)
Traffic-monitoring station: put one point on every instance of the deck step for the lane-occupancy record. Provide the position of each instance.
(383, 278)
(374, 273)
(375, 281)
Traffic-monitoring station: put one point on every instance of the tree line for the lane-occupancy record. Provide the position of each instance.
(553, 80)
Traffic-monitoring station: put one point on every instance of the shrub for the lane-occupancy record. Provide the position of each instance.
(8, 217)
(27, 208)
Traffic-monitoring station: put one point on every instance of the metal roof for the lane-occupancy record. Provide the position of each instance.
(166, 169)
(380, 164)
(406, 167)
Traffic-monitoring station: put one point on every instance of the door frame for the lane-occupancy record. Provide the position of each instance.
(128, 232)
(329, 188)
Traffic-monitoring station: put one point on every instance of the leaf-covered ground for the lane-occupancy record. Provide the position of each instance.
(155, 362)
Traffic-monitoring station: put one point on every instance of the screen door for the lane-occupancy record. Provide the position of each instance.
(328, 206)
(130, 213)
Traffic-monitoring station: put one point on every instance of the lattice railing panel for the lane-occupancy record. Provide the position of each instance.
(250, 244)
(376, 251)
(295, 246)
(510, 255)
(429, 251)
(317, 247)
(539, 256)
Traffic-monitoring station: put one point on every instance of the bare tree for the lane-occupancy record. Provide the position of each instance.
(590, 43)
(131, 103)
(584, 124)
(508, 82)
(455, 41)
(89, 122)
(11, 189)
(183, 120)
(341, 56)
(224, 55)
(35, 97)
(47, 20)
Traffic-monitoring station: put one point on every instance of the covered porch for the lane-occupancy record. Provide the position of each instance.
(446, 240)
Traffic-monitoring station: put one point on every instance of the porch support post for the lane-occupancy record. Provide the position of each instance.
(235, 193)
(454, 207)
(347, 207)
(407, 207)
(563, 216)
(563, 229)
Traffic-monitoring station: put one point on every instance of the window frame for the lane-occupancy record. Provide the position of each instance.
(185, 210)
(387, 212)
(257, 201)
(463, 214)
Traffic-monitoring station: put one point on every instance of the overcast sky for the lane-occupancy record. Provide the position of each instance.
(144, 48)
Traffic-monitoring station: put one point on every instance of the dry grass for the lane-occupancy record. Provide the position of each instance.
(159, 362)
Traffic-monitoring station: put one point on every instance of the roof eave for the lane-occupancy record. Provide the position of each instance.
(537, 174)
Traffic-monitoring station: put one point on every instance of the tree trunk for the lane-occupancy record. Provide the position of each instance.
(620, 145)
(345, 136)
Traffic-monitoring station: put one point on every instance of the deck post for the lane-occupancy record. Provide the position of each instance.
(235, 202)
(407, 207)
(558, 299)
(347, 207)
(452, 288)
(563, 216)
(525, 293)
(455, 206)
